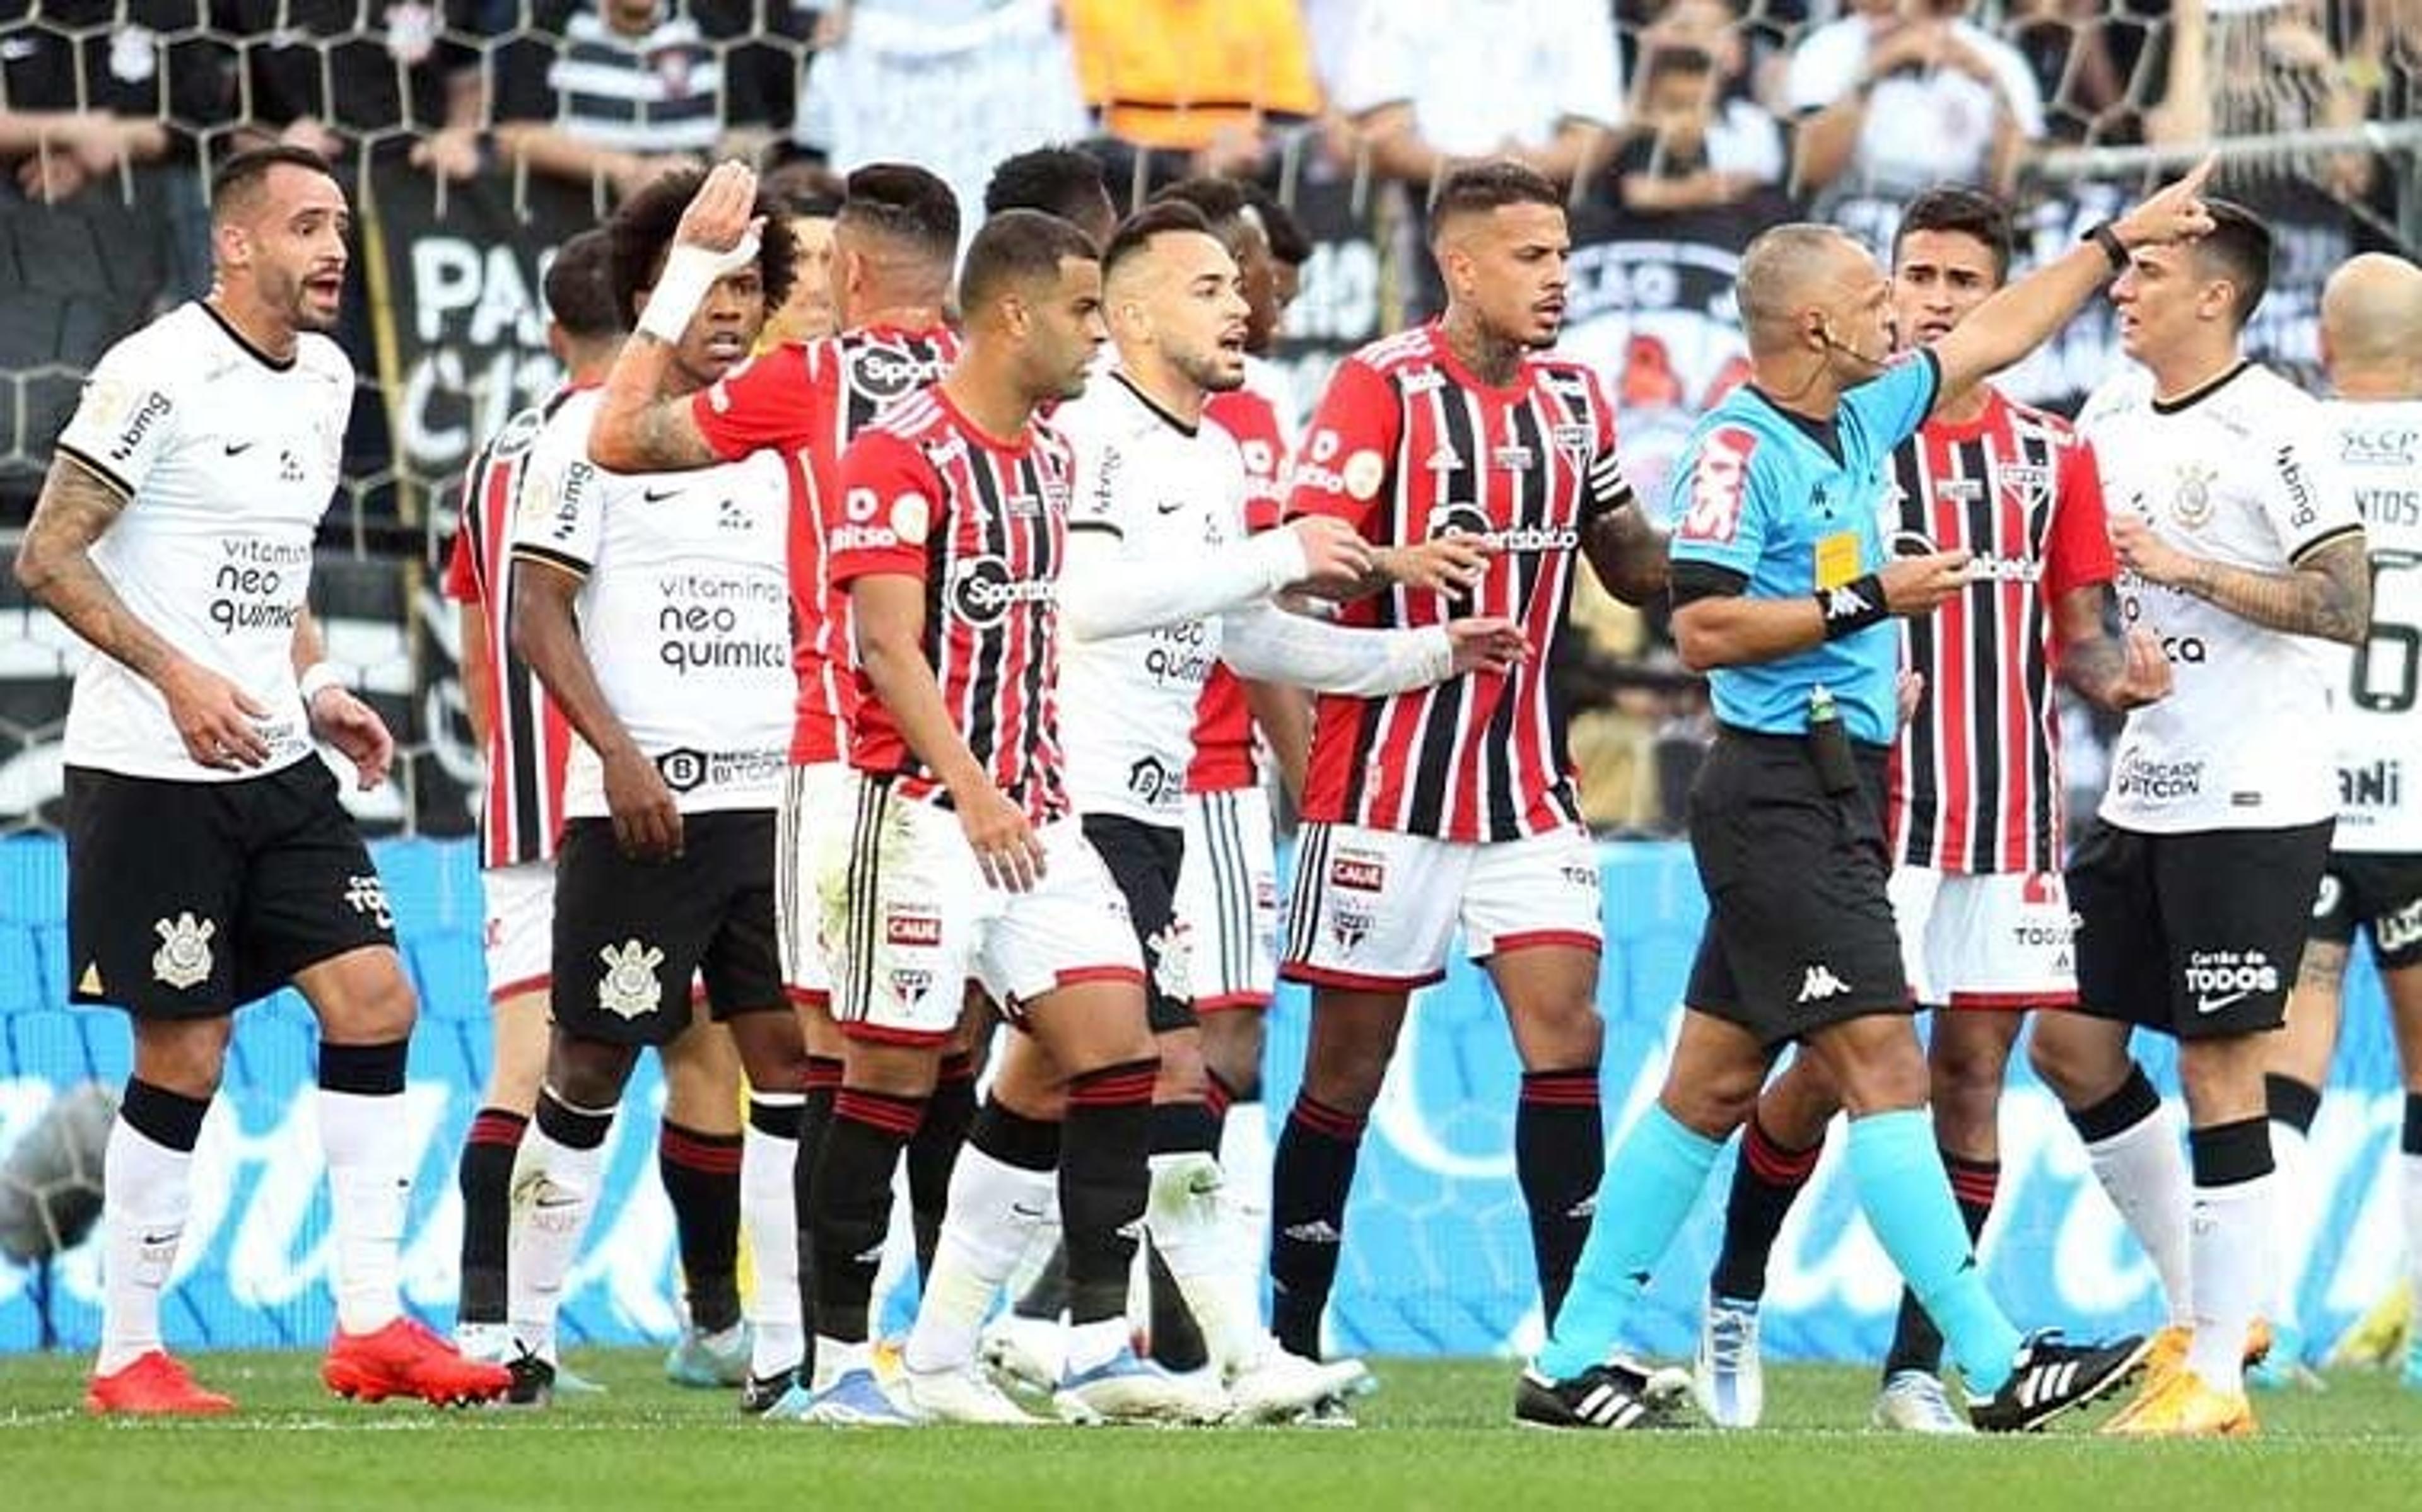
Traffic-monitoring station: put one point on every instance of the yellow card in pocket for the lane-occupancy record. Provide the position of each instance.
(1837, 560)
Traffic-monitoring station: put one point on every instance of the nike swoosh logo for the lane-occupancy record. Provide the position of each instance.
(2213, 1004)
(149, 1240)
(1170, 508)
(235, 448)
(1025, 1210)
(653, 496)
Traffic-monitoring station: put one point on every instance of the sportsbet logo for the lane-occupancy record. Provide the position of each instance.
(982, 590)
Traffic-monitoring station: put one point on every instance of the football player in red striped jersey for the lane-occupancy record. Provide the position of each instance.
(1484, 469)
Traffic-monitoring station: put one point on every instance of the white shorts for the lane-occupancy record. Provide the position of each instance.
(1228, 898)
(1998, 940)
(1377, 910)
(518, 936)
(815, 803)
(911, 918)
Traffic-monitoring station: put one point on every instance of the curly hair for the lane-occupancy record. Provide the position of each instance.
(642, 230)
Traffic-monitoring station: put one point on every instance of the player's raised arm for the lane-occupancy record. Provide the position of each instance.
(2025, 314)
(638, 430)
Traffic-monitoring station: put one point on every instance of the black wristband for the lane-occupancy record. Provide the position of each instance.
(2102, 234)
(1853, 606)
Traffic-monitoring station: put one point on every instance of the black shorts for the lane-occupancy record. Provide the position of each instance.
(2377, 893)
(2196, 935)
(1799, 930)
(630, 935)
(1144, 861)
(187, 899)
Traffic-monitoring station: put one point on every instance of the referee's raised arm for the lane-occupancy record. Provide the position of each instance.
(2025, 313)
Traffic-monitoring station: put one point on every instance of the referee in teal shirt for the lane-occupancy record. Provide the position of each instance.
(1782, 592)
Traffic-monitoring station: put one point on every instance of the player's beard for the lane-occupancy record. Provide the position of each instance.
(1207, 371)
(294, 296)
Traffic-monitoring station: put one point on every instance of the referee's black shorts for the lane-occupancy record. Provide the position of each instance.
(1799, 930)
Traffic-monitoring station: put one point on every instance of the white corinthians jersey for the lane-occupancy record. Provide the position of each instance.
(2379, 451)
(227, 459)
(685, 611)
(2242, 471)
(1162, 492)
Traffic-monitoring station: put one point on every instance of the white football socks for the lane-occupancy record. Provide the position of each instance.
(769, 1210)
(143, 1220)
(2143, 1169)
(993, 1210)
(370, 1186)
(2233, 1262)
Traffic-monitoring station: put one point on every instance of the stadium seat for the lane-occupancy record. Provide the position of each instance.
(414, 874)
(46, 1044)
(20, 970)
(271, 1056)
(108, 1043)
(451, 974)
(51, 947)
(32, 880)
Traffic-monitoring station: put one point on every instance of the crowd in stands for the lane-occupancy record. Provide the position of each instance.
(1666, 103)
(1702, 119)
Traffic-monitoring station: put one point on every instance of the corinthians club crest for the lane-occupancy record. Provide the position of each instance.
(629, 988)
(2190, 505)
(184, 959)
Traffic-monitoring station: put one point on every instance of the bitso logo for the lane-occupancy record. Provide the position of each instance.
(184, 959)
(629, 988)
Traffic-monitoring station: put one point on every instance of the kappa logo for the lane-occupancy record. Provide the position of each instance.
(1844, 603)
(184, 959)
(629, 988)
(1820, 984)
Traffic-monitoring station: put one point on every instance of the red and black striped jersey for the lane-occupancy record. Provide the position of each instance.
(983, 523)
(1975, 776)
(1408, 445)
(521, 810)
(1224, 726)
(807, 400)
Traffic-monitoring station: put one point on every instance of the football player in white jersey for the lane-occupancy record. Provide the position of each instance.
(2243, 554)
(656, 609)
(210, 862)
(1161, 581)
(2371, 344)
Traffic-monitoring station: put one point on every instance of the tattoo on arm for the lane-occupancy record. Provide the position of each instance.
(2093, 666)
(2327, 595)
(54, 563)
(1628, 552)
(645, 432)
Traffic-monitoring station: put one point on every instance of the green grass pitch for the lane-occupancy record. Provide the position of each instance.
(1436, 1435)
